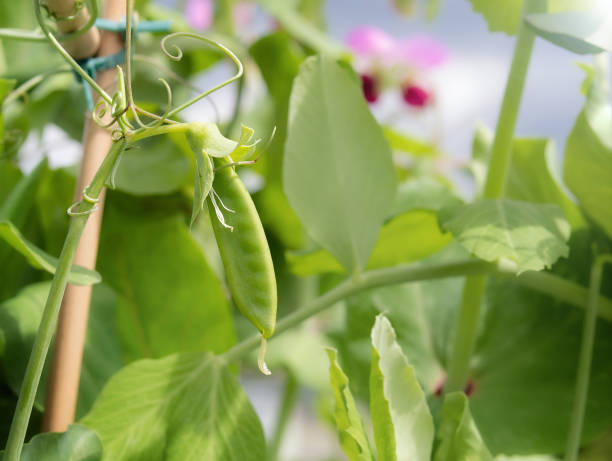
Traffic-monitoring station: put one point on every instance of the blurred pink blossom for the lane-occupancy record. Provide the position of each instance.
(243, 14)
(199, 13)
(421, 51)
(370, 41)
(416, 96)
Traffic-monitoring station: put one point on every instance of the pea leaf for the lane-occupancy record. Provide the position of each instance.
(338, 171)
(408, 237)
(19, 321)
(404, 143)
(76, 444)
(159, 165)
(348, 422)
(531, 177)
(182, 407)
(458, 436)
(587, 167)
(162, 280)
(532, 235)
(403, 426)
(584, 31)
(41, 260)
(301, 29)
(501, 16)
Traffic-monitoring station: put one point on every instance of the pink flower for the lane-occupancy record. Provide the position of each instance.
(370, 41)
(421, 51)
(199, 13)
(415, 95)
(369, 85)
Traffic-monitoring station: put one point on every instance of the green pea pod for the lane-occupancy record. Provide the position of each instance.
(244, 249)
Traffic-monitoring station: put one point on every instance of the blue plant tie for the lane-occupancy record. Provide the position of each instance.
(94, 65)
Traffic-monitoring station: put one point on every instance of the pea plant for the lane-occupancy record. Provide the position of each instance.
(430, 328)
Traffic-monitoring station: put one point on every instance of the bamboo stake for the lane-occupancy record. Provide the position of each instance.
(80, 47)
(62, 388)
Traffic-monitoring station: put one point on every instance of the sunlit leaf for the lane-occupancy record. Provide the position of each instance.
(353, 439)
(338, 172)
(408, 237)
(19, 321)
(182, 407)
(76, 444)
(458, 437)
(39, 259)
(403, 426)
(169, 300)
(532, 235)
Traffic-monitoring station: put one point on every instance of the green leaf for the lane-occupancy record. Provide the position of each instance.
(423, 194)
(39, 259)
(458, 436)
(303, 30)
(403, 426)
(353, 439)
(76, 444)
(404, 143)
(501, 16)
(587, 167)
(525, 365)
(159, 165)
(531, 177)
(169, 298)
(19, 321)
(182, 407)
(584, 31)
(338, 171)
(532, 235)
(408, 237)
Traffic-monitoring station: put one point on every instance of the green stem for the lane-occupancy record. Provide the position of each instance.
(465, 334)
(584, 363)
(290, 395)
(549, 284)
(49, 318)
(236, 113)
(473, 291)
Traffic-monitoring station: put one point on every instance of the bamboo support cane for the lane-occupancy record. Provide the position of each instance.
(63, 384)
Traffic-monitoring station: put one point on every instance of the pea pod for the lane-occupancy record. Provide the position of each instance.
(244, 250)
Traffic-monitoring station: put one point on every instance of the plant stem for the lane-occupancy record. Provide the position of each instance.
(551, 285)
(584, 363)
(49, 318)
(465, 334)
(290, 395)
(473, 291)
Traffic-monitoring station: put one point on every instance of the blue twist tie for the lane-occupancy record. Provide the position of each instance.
(97, 64)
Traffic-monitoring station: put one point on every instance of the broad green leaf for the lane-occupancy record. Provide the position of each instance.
(403, 426)
(531, 177)
(338, 171)
(404, 143)
(423, 194)
(182, 407)
(532, 235)
(303, 30)
(501, 16)
(458, 437)
(408, 237)
(169, 300)
(584, 31)
(353, 439)
(76, 444)
(159, 165)
(19, 321)
(16, 206)
(39, 259)
(587, 167)
(524, 372)
(528, 458)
